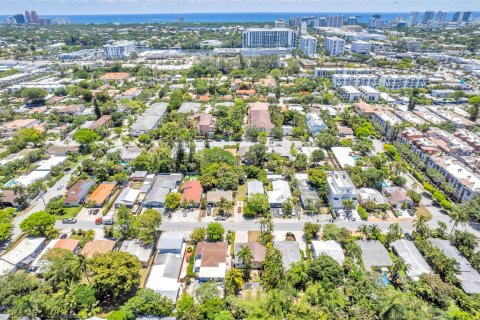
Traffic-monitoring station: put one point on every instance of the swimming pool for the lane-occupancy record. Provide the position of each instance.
(384, 184)
(10, 183)
(356, 157)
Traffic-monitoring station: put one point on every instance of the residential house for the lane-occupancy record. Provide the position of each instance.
(213, 197)
(290, 252)
(192, 192)
(138, 249)
(315, 124)
(259, 117)
(406, 250)
(164, 275)
(279, 194)
(258, 253)
(374, 255)
(163, 185)
(170, 242)
(329, 248)
(101, 194)
(128, 197)
(341, 190)
(211, 261)
(22, 255)
(397, 197)
(77, 193)
(255, 187)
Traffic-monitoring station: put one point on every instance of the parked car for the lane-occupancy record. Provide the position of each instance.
(69, 220)
(63, 236)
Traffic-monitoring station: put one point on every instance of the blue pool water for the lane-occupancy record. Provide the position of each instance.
(356, 157)
(10, 183)
(385, 280)
(384, 184)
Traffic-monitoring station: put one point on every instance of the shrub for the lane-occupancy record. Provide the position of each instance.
(362, 213)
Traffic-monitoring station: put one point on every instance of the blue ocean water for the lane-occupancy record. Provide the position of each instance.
(216, 17)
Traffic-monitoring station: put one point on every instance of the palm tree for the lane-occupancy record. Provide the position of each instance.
(27, 306)
(364, 230)
(81, 267)
(394, 310)
(399, 265)
(233, 281)
(224, 206)
(348, 204)
(353, 250)
(395, 230)
(459, 216)
(421, 227)
(245, 255)
(375, 231)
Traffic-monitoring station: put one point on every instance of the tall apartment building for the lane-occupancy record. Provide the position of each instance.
(360, 46)
(441, 16)
(352, 21)
(467, 15)
(322, 22)
(19, 18)
(119, 50)
(334, 46)
(457, 16)
(335, 21)
(308, 45)
(269, 38)
(280, 23)
(413, 19)
(28, 17)
(427, 16)
(34, 17)
(302, 28)
(294, 21)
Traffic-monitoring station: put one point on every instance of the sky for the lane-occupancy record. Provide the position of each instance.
(79, 7)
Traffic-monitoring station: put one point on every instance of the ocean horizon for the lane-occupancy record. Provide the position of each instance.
(228, 17)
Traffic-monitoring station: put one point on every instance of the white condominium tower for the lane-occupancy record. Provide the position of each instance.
(269, 38)
(308, 45)
(119, 49)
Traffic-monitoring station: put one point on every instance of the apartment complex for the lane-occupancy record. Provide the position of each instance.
(269, 38)
(119, 50)
(308, 45)
(334, 46)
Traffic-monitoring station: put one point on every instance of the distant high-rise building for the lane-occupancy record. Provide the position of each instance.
(467, 15)
(19, 18)
(441, 16)
(302, 28)
(119, 50)
(45, 21)
(457, 16)
(34, 17)
(28, 17)
(308, 45)
(269, 38)
(371, 23)
(334, 46)
(377, 16)
(335, 21)
(180, 19)
(10, 20)
(294, 21)
(427, 16)
(62, 21)
(322, 22)
(352, 21)
(280, 23)
(413, 19)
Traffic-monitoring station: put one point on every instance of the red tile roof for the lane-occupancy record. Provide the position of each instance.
(192, 191)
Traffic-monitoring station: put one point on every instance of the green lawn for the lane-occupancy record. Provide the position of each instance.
(242, 193)
(69, 213)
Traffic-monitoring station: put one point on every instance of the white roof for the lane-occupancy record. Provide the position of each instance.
(128, 195)
(24, 249)
(37, 262)
(410, 254)
(344, 156)
(213, 272)
(136, 248)
(280, 192)
(329, 248)
(32, 177)
(5, 267)
(46, 165)
(163, 276)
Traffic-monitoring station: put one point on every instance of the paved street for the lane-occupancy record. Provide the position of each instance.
(40, 205)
